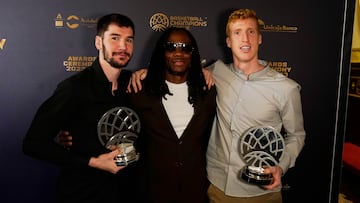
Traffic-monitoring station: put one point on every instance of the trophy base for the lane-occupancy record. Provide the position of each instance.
(128, 156)
(126, 159)
(255, 175)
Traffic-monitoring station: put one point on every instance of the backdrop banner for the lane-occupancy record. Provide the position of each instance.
(43, 42)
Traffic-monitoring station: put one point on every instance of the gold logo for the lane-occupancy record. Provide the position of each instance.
(159, 22)
(74, 21)
(2, 43)
(281, 67)
(276, 28)
(59, 21)
(70, 19)
(78, 63)
(188, 21)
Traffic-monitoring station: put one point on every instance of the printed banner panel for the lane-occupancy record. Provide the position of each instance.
(43, 42)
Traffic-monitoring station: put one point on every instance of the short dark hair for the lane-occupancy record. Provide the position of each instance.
(113, 18)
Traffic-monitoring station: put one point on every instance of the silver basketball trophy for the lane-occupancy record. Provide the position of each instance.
(120, 127)
(260, 147)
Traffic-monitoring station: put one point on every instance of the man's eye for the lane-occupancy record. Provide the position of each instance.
(129, 40)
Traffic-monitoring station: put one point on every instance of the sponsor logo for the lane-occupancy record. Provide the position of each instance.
(160, 21)
(276, 28)
(74, 21)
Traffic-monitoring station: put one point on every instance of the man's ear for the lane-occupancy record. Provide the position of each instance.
(260, 39)
(228, 44)
(98, 42)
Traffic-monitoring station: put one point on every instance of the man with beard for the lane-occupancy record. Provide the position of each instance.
(88, 171)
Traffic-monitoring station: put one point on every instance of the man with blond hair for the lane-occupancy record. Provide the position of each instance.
(250, 93)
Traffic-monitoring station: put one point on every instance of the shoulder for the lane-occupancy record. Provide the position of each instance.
(125, 74)
(124, 78)
(80, 76)
(77, 81)
(216, 65)
(219, 64)
(279, 82)
(219, 68)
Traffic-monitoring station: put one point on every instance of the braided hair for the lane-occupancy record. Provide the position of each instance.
(155, 81)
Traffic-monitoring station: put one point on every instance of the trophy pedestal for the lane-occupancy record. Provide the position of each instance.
(255, 175)
(120, 127)
(128, 156)
(260, 146)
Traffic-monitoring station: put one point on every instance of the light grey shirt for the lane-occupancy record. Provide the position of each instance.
(266, 98)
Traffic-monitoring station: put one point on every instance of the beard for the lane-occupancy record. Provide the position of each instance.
(111, 60)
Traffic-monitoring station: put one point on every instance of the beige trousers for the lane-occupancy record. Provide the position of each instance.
(218, 196)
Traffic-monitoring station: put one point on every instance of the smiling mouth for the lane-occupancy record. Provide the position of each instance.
(245, 48)
(178, 62)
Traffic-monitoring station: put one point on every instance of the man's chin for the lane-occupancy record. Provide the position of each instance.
(119, 65)
(177, 73)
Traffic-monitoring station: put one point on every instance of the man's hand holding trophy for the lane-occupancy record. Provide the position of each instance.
(119, 127)
(260, 147)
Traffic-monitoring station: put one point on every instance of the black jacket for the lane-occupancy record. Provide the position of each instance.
(174, 169)
(76, 105)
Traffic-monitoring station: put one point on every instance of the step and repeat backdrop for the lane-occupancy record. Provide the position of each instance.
(43, 42)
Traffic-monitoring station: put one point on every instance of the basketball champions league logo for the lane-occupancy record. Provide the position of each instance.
(159, 22)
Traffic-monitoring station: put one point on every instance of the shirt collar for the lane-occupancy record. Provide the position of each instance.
(253, 76)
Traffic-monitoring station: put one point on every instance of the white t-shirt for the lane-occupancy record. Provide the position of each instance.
(177, 107)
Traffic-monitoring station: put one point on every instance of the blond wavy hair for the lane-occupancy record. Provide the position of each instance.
(241, 14)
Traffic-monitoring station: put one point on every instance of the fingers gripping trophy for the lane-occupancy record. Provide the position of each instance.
(120, 127)
(260, 147)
